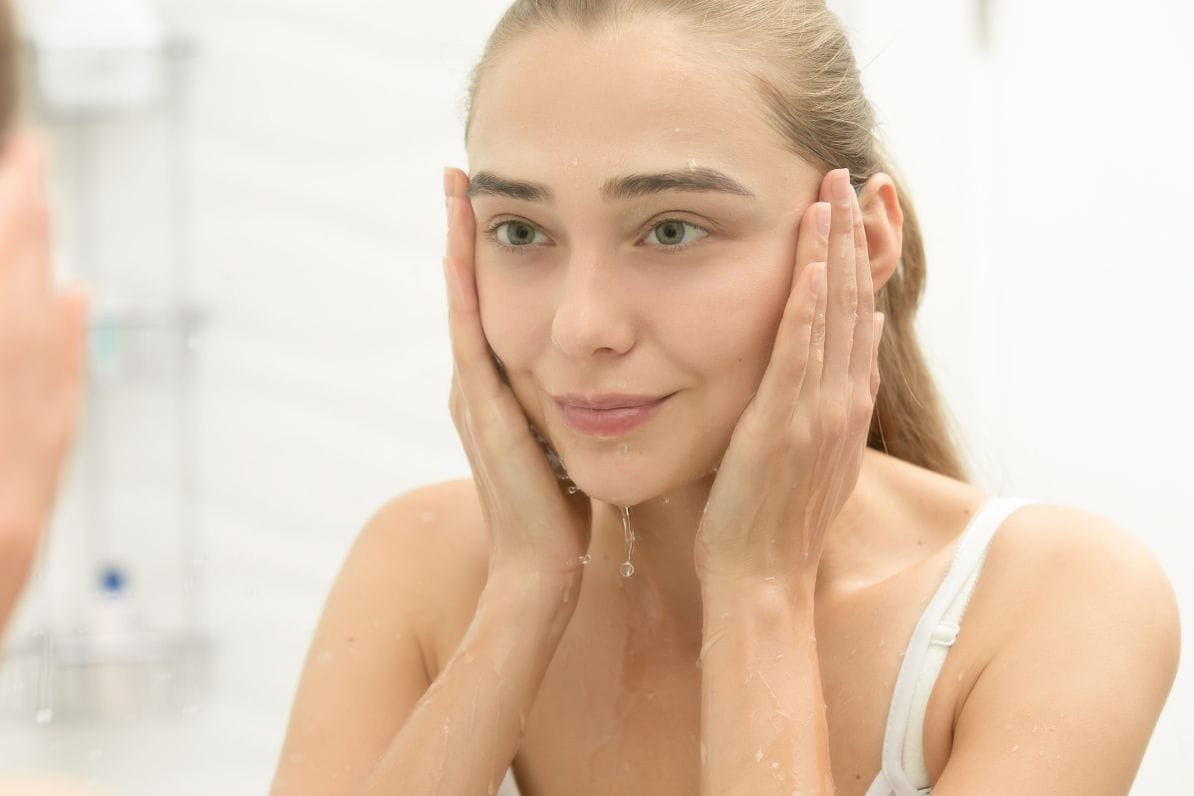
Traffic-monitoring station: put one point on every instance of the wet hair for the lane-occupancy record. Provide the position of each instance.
(801, 62)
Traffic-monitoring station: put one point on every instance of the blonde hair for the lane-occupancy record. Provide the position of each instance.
(809, 80)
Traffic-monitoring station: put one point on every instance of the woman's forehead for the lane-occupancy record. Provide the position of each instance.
(559, 96)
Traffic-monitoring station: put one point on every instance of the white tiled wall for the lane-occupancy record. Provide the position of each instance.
(318, 131)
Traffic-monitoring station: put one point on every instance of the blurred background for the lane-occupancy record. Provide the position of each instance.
(252, 191)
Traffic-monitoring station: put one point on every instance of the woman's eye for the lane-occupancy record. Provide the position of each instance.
(674, 232)
(518, 233)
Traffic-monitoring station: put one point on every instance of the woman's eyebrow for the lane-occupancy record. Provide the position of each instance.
(485, 182)
(697, 180)
(630, 186)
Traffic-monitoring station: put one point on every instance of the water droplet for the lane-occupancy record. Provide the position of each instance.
(667, 500)
(325, 658)
(627, 569)
(44, 715)
(572, 489)
(1015, 748)
(586, 558)
(758, 755)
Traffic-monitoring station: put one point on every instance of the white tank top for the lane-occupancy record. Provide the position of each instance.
(903, 771)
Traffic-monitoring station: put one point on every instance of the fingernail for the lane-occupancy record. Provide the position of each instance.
(448, 211)
(823, 219)
(881, 319)
(447, 180)
(842, 191)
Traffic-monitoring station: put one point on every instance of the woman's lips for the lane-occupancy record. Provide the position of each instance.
(608, 422)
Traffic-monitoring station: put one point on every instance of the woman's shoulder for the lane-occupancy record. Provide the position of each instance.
(1048, 544)
(434, 537)
(1036, 545)
(1063, 570)
(430, 515)
(1069, 604)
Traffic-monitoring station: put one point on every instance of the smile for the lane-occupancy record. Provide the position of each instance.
(608, 422)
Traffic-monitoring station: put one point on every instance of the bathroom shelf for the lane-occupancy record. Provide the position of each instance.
(119, 185)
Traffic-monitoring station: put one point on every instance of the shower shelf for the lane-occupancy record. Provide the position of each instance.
(119, 186)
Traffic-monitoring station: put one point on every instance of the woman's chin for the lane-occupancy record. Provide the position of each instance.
(615, 494)
(634, 482)
(616, 486)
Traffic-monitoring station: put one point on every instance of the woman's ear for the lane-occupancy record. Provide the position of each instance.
(883, 221)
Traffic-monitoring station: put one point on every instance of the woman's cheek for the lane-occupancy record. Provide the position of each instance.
(510, 316)
(734, 307)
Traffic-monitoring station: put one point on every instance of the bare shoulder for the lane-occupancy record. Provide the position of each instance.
(1083, 650)
(434, 537)
(1073, 561)
(406, 582)
(437, 519)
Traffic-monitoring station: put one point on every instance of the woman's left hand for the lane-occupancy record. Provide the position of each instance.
(796, 451)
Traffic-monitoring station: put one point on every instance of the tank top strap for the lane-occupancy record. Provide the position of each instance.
(936, 631)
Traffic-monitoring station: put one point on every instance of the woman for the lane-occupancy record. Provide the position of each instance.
(682, 208)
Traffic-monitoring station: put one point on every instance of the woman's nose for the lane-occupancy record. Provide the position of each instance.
(595, 309)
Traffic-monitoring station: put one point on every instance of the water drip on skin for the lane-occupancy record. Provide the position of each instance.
(627, 568)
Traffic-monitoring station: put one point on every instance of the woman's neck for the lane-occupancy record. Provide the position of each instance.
(664, 584)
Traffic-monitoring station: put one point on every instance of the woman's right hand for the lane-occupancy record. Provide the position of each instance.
(535, 526)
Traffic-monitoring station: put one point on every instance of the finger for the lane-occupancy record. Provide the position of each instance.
(24, 222)
(841, 313)
(461, 230)
(73, 306)
(864, 327)
(781, 381)
(470, 350)
(70, 317)
(781, 384)
(814, 369)
(812, 243)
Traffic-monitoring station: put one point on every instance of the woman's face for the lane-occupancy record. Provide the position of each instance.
(597, 278)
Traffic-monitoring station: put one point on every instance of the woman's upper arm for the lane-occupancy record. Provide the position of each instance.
(1068, 704)
(366, 667)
